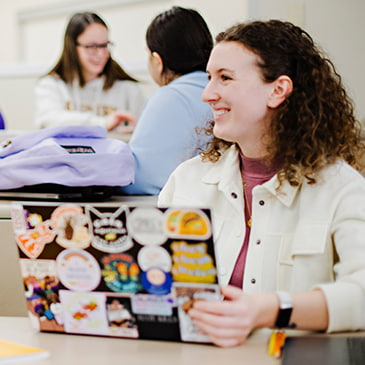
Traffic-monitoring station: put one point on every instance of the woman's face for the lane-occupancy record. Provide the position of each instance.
(238, 97)
(92, 50)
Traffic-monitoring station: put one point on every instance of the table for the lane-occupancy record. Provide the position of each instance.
(78, 349)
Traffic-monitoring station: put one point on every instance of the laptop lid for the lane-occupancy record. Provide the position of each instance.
(119, 271)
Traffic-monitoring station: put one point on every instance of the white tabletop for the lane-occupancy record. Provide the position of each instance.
(79, 349)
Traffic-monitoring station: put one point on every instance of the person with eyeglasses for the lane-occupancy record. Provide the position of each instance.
(87, 86)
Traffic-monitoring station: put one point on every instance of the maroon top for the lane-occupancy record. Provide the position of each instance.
(254, 172)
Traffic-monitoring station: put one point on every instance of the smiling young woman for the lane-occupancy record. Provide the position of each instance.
(281, 176)
(87, 86)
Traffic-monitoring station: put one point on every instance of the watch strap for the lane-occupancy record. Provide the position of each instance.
(285, 310)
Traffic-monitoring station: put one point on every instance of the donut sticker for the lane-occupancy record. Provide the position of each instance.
(109, 229)
(146, 226)
(121, 273)
(78, 270)
(187, 223)
(70, 224)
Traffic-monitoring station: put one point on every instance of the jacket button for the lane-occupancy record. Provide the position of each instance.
(261, 202)
(253, 281)
(258, 242)
(234, 195)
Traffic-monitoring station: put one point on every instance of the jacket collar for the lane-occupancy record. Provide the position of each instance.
(226, 174)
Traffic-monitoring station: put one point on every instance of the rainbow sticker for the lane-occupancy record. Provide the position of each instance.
(78, 270)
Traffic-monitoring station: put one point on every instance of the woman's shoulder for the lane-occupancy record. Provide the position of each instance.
(50, 79)
(342, 173)
(126, 84)
(200, 165)
(50, 82)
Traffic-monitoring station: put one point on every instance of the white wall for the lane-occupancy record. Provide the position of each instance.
(36, 29)
(339, 28)
(32, 31)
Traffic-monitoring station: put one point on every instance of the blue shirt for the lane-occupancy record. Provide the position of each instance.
(166, 135)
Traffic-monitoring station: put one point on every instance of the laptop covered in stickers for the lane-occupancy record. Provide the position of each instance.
(127, 271)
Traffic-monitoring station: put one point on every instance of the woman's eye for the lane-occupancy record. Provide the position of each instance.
(225, 77)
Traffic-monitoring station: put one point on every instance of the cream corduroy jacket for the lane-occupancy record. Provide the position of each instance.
(301, 237)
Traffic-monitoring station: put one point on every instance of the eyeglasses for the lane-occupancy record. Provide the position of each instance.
(93, 48)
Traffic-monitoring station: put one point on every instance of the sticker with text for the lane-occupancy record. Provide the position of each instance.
(152, 304)
(192, 263)
(121, 273)
(146, 226)
(109, 229)
(78, 270)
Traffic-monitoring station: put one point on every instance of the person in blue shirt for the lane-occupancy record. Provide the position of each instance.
(179, 44)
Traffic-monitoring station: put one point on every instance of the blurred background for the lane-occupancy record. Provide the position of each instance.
(32, 36)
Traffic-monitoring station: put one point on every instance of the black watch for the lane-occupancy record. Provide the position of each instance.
(285, 310)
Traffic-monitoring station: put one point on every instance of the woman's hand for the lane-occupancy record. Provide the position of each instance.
(122, 119)
(229, 322)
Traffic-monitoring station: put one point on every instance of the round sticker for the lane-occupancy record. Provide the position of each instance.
(154, 256)
(157, 281)
(146, 225)
(78, 270)
(121, 273)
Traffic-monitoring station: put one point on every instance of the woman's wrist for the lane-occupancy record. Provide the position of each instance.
(268, 310)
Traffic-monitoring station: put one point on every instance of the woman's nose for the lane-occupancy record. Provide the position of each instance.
(209, 93)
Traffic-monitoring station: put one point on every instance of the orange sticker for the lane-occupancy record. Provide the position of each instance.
(32, 242)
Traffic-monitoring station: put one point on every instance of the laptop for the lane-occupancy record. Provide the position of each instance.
(115, 271)
(60, 193)
(324, 350)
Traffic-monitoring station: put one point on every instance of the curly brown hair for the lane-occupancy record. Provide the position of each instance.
(315, 125)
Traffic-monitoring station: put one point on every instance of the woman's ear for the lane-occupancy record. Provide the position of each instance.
(282, 88)
(157, 61)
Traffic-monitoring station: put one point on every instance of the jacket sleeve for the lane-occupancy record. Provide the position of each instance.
(346, 296)
(51, 97)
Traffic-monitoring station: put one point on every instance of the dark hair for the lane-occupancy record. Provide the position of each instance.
(182, 38)
(68, 66)
(315, 125)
